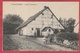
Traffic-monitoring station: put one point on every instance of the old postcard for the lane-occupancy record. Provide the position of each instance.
(40, 26)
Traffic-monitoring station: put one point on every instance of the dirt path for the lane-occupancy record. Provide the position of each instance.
(27, 43)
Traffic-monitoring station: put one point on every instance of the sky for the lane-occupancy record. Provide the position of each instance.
(27, 9)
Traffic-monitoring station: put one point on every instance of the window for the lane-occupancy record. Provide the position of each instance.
(51, 16)
(49, 30)
(42, 13)
(32, 28)
(56, 31)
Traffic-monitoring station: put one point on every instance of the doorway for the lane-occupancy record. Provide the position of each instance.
(38, 32)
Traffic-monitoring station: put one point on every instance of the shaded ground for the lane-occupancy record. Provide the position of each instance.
(8, 43)
(16, 42)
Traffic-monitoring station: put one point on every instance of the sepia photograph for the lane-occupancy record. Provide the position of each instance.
(41, 26)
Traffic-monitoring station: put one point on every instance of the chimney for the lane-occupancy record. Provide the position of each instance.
(46, 7)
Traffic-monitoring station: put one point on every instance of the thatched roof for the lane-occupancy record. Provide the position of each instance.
(34, 17)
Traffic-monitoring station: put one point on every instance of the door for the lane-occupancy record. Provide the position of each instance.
(20, 32)
(38, 32)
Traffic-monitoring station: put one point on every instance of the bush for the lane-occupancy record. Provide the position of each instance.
(68, 36)
(8, 43)
(71, 37)
(9, 28)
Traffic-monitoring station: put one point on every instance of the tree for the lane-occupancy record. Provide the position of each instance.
(11, 22)
(63, 21)
(70, 25)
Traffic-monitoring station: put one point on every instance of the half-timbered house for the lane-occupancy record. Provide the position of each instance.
(41, 24)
